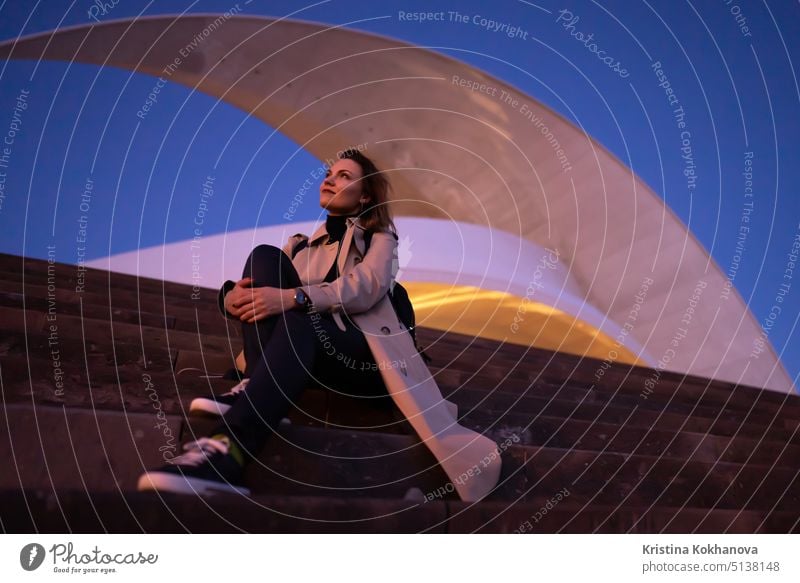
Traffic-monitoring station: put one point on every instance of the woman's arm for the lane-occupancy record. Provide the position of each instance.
(250, 304)
(223, 292)
(363, 286)
(226, 302)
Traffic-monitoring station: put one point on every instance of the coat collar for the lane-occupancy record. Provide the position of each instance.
(322, 233)
(353, 235)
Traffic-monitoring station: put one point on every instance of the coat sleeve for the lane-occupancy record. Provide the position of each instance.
(364, 285)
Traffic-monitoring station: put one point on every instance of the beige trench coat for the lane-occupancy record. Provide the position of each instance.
(470, 460)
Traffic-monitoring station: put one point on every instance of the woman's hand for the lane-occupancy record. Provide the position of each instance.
(251, 304)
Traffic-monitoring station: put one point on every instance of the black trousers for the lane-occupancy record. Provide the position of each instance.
(288, 352)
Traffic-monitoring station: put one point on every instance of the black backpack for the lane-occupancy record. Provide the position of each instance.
(398, 296)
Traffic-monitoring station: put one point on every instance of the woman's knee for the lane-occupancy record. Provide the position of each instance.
(264, 263)
(263, 253)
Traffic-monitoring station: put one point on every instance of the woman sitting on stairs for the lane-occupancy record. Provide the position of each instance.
(319, 309)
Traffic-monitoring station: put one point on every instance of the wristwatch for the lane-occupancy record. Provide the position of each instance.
(301, 298)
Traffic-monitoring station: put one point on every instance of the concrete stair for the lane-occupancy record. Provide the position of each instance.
(583, 453)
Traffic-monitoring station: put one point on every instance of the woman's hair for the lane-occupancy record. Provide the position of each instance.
(376, 215)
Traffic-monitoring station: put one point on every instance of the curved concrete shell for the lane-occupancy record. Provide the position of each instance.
(460, 151)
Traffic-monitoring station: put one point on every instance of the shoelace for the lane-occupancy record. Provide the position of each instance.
(238, 388)
(198, 451)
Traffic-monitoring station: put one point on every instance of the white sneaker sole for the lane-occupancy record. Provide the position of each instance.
(209, 406)
(167, 482)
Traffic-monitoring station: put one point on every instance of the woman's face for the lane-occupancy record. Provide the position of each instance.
(340, 191)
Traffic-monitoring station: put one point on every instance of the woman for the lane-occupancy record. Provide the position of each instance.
(319, 309)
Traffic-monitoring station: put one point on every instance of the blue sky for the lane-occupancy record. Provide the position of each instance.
(738, 87)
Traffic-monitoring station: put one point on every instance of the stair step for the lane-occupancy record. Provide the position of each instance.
(695, 456)
(567, 433)
(727, 423)
(496, 411)
(340, 463)
(555, 367)
(194, 362)
(124, 305)
(544, 396)
(77, 511)
(62, 448)
(549, 400)
(550, 366)
(639, 480)
(566, 517)
(320, 408)
(471, 350)
(64, 275)
(125, 387)
(106, 333)
(68, 304)
(109, 380)
(36, 345)
(310, 461)
(569, 389)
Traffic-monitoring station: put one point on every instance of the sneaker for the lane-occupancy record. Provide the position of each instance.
(205, 468)
(218, 404)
